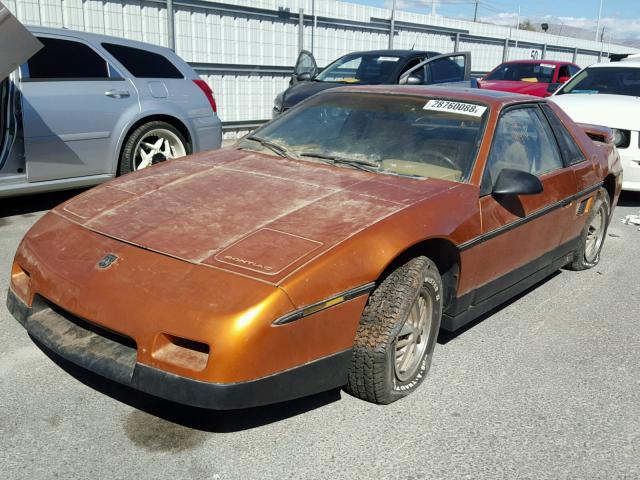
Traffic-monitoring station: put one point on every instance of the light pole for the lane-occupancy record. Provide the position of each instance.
(598, 24)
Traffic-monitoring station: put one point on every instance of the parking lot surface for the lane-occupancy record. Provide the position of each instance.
(547, 386)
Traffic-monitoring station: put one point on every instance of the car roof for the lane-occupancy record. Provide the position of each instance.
(625, 64)
(528, 60)
(97, 38)
(493, 98)
(396, 53)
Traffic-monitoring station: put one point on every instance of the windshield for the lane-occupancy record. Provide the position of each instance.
(360, 68)
(523, 72)
(387, 134)
(610, 80)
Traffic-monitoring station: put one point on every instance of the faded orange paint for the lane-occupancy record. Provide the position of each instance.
(214, 247)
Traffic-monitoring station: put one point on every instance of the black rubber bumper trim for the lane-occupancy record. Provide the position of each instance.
(111, 360)
(314, 377)
(17, 308)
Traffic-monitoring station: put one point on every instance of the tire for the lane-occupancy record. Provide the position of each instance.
(592, 237)
(174, 146)
(375, 375)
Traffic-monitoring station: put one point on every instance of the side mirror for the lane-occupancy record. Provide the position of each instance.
(516, 182)
(563, 79)
(553, 87)
(412, 80)
(304, 77)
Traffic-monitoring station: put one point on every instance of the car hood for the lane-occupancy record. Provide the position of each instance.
(614, 111)
(527, 88)
(23, 44)
(303, 90)
(250, 213)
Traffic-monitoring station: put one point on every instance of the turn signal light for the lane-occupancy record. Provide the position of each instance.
(21, 282)
(181, 352)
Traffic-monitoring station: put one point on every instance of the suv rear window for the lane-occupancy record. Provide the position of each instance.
(64, 59)
(141, 63)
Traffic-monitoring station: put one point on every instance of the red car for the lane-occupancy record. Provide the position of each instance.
(530, 77)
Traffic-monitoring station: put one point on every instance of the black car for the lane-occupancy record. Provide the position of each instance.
(375, 67)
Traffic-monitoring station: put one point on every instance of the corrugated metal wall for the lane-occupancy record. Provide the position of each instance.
(245, 48)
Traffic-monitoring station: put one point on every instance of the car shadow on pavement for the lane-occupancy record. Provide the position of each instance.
(217, 421)
(445, 337)
(629, 199)
(27, 204)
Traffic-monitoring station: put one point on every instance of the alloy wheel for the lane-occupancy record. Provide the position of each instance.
(157, 146)
(413, 338)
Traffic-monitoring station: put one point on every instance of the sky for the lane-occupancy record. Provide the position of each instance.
(620, 18)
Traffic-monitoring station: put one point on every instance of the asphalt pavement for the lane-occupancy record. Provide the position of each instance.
(546, 387)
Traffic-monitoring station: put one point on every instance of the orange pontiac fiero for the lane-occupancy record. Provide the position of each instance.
(326, 249)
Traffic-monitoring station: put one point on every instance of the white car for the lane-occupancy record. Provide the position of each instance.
(608, 94)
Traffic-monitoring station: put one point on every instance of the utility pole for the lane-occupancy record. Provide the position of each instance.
(171, 36)
(475, 13)
(433, 7)
(313, 27)
(598, 24)
(392, 30)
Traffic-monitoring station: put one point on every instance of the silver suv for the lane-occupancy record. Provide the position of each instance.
(88, 107)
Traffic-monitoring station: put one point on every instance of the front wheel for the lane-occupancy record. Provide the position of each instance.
(152, 143)
(397, 334)
(592, 238)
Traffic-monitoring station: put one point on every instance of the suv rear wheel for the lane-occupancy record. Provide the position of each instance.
(152, 143)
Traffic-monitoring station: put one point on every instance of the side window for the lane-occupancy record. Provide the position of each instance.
(573, 70)
(412, 63)
(572, 152)
(141, 63)
(66, 60)
(564, 71)
(523, 141)
(447, 70)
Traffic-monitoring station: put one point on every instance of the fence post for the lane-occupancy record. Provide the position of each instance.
(575, 54)
(456, 45)
(505, 51)
(171, 36)
(544, 52)
(301, 29)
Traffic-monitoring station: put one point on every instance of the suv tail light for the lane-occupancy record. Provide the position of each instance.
(207, 93)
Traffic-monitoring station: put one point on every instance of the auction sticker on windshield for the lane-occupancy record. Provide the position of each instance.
(455, 107)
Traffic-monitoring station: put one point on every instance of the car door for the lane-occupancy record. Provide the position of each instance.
(523, 234)
(73, 102)
(22, 43)
(441, 69)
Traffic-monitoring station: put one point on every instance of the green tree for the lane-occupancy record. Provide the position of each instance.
(527, 25)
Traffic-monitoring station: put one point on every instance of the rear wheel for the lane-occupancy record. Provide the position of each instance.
(152, 143)
(397, 334)
(592, 238)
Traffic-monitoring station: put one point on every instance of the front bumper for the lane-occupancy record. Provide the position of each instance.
(630, 159)
(112, 356)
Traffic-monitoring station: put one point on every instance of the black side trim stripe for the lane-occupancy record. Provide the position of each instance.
(324, 304)
(537, 214)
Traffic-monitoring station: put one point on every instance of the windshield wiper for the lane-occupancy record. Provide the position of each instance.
(352, 162)
(273, 146)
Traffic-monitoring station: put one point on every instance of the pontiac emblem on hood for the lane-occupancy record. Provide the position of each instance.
(107, 260)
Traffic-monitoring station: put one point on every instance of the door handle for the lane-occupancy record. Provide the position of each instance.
(117, 93)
